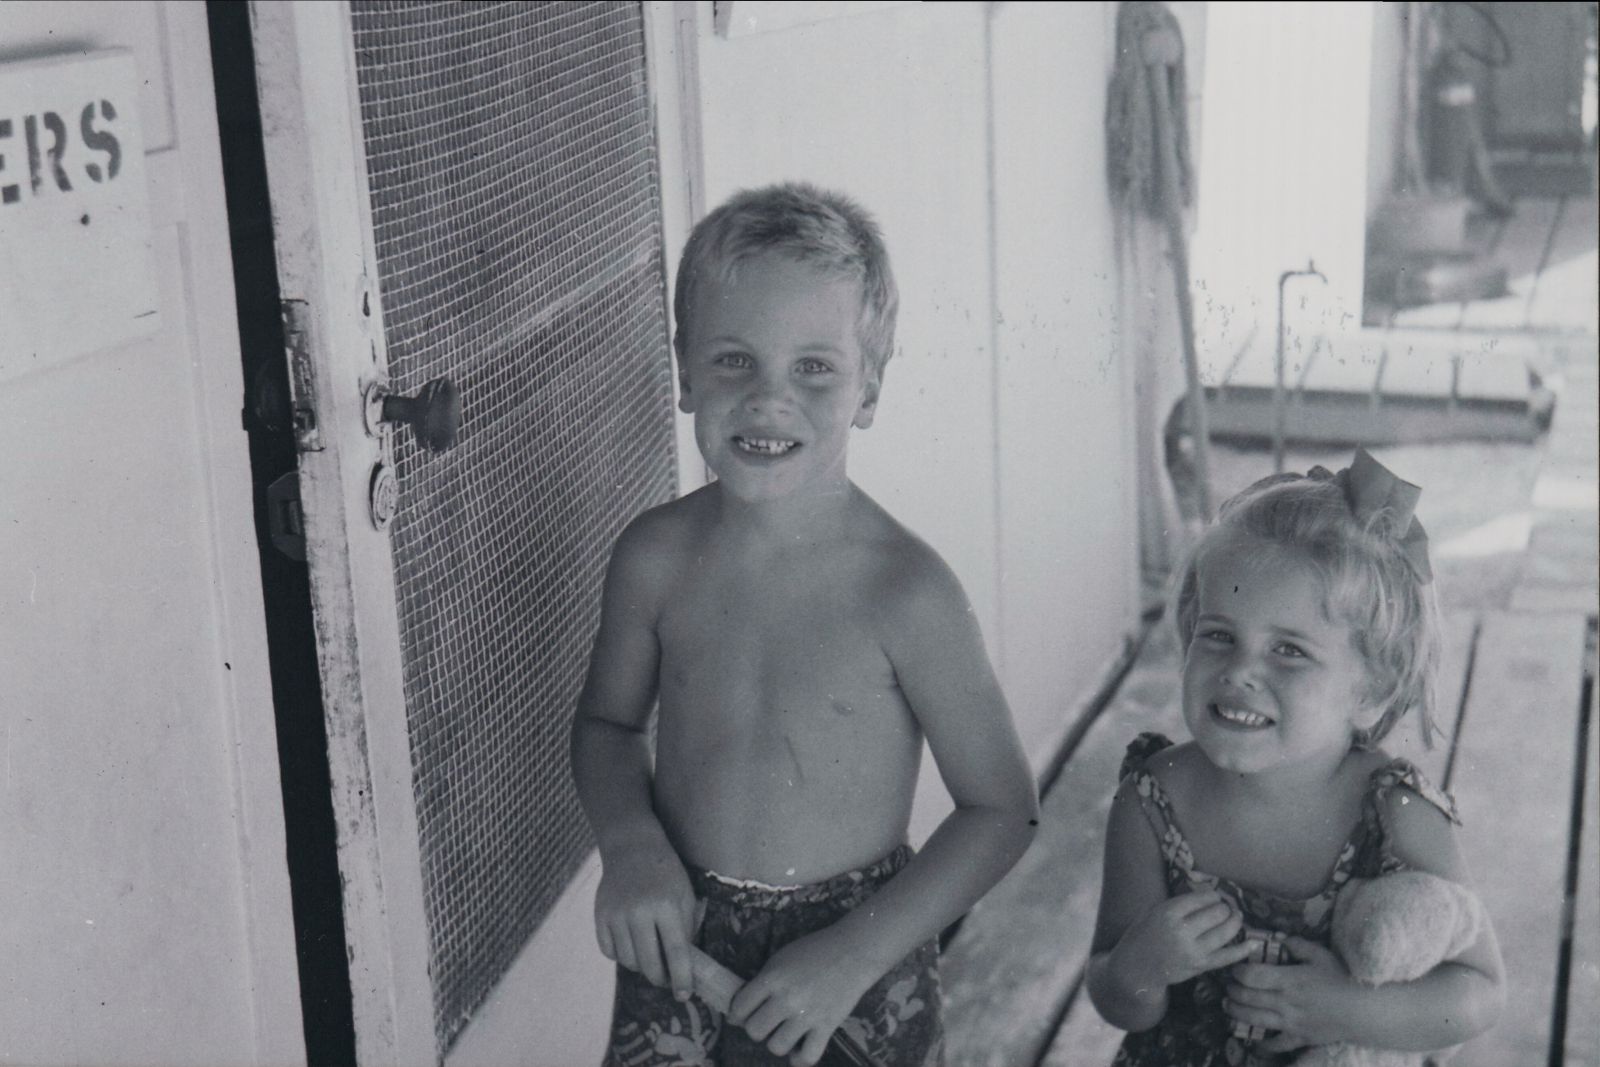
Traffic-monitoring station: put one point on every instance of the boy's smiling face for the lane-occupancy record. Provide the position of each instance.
(1269, 679)
(774, 375)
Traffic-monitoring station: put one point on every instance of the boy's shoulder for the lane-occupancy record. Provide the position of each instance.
(654, 541)
(679, 521)
(907, 571)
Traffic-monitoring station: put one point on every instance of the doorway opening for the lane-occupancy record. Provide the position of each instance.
(309, 827)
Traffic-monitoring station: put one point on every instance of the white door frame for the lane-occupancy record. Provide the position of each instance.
(327, 271)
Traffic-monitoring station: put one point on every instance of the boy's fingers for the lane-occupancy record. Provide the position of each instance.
(680, 968)
(647, 952)
(786, 1037)
(623, 943)
(603, 935)
(694, 915)
(746, 1001)
(1283, 1042)
(811, 1049)
(764, 1020)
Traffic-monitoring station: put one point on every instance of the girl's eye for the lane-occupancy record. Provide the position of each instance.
(814, 366)
(732, 359)
(1220, 636)
(1294, 651)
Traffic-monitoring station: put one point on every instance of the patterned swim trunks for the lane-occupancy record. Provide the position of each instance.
(897, 1021)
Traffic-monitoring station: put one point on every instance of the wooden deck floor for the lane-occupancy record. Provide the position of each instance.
(1520, 758)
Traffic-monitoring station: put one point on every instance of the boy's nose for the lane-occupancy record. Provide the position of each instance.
(767, 393)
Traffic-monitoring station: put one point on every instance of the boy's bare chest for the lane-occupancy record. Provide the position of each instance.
(759, 645)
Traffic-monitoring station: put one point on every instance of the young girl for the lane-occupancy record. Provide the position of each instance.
(1310, 627)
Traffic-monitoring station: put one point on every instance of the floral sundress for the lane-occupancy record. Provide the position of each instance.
(1195, 1032)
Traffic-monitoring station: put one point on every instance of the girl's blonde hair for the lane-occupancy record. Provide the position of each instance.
(1389, 604)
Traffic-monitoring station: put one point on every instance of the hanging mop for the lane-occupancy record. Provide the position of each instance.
(1148, 164)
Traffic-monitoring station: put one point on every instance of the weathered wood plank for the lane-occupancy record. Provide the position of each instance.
(1019, 952)
(1084, 1040)
(1512, 782)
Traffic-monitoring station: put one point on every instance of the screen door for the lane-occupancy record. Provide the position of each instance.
(507, 192)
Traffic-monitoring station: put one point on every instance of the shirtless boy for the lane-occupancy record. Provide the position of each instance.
(798, 645)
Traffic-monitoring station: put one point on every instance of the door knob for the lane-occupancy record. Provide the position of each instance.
(433, 413)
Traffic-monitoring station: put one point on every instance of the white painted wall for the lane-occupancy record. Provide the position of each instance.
(1066, 510)
(974, 132)
(144, 901)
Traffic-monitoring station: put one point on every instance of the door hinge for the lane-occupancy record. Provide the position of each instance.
(302, 376)
(286, 520)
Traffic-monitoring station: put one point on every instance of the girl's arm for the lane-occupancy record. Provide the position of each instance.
(1319, 1003)
(1126, 994)
(1143, 941)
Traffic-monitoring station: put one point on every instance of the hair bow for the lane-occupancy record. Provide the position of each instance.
(1370, 487)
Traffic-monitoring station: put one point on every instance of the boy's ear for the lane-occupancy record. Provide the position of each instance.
(869, 401)
(685, 397)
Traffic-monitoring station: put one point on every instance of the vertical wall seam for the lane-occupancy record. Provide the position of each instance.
(997, 496)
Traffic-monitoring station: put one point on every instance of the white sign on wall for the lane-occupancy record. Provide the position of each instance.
(76, 271)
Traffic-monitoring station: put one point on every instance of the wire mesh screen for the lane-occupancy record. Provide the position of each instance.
(513, 180)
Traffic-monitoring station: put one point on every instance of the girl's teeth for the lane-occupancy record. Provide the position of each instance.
(1242, 717)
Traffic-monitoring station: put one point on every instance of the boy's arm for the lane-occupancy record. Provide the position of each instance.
(644, 909)
(943, 670)
(1320, 1003)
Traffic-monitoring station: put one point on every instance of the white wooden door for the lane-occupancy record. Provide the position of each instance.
(144, 896)
(472, 191)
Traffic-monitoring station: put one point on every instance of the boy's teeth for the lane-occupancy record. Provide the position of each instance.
(1242, 717)
(766, 446)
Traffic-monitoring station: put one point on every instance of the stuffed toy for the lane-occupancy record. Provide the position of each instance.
(1395, 928)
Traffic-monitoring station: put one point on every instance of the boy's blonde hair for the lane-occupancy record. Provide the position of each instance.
(821, 229)
(1369, 582)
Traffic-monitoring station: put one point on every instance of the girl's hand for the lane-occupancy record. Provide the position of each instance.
(1181, 937)
(1306, 1001)
(801, 996)
(644, 916)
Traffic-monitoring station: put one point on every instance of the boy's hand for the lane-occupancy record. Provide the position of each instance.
(801, 996)
(1181, 937)
(1306, 1001)
(644, 915)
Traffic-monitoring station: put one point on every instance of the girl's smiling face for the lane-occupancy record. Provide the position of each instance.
(774, 375)
(1270, 680)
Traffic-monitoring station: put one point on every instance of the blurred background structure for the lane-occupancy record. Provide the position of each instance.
(290, 634)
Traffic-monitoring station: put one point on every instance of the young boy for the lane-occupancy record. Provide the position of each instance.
(800, 644)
